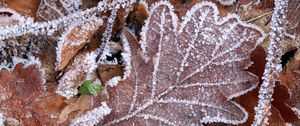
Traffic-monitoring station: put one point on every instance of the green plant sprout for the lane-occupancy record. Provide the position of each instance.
(90, 88)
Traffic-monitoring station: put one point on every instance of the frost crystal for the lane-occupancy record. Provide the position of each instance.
(126, 54)
(104, 50)
(22, 47)
(92, 117)
(114, 81)
(273, 66)
(193, 69)
(71, 5)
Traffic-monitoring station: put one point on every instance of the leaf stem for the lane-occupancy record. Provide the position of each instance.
(273, 66)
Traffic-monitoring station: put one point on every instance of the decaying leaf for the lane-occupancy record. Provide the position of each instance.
(187, 73)
(26, 7)
(281, 95)
(49, 10)
(291, 79)
(293, 18)
(19, 88)
(83, 103)
(74, 39)
(107, 71)
(81, 69)
(49, 106)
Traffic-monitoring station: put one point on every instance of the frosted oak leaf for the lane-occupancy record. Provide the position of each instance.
(192, 69)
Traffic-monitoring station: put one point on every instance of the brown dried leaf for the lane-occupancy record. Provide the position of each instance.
(75, 37)
(10, 17)
(83, 103)
(25, 7)
(19, 89)
(291, 79)
(280, 95)
(191, 71)
(107, 72)
(50, 10)
(293, 18)
(81, 69)
(46, 45)
(49, 106)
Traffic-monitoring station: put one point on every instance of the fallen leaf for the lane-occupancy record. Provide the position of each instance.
(49, 106)
(137, 17)
(107, 72)
(83, 103)
(46, 52)
(88, 87)
(187, 74)
(291, 80)
(75, 37)
(11, 17)
(50, 10)
(19, 89)
(82, 68)
(25, 7)
(280, 96)
(293, 18)
(250, 100)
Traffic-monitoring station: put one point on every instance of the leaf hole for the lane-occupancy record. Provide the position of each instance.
(287, 56)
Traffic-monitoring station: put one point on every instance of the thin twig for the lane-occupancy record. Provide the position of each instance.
(260, 16)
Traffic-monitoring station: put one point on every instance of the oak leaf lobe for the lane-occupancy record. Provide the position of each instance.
(187, 73)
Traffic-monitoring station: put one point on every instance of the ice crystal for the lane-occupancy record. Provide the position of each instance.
(114, 81)
(22, 47)
(273, 66)
(104, 50)
(193, 69)
(126, 54)
(71, 6)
